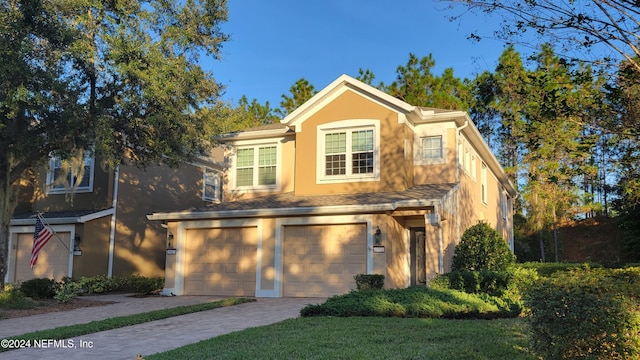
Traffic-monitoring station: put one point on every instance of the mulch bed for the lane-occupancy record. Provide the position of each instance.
(50, 305)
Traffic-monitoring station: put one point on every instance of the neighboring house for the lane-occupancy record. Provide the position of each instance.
(354, 181)
(104, 217)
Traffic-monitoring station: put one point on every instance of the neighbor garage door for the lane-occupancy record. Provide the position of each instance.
(221, 262)
(53, 259)
(320, 260)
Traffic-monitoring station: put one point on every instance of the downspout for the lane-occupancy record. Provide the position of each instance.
(112, 235)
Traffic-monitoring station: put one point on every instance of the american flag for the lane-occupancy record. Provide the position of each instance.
(40, 238)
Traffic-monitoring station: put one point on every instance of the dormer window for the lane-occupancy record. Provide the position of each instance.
(348, 151)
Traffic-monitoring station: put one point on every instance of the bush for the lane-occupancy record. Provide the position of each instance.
(494, 283)
(13, 298)
(145, 285)
(547, 269)
(67, 291)
(482, 248)
(39, 288)
(586, 313)
(369, 281)
(414, 302)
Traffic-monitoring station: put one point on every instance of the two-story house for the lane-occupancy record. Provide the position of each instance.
(99, 216)
(354, 181)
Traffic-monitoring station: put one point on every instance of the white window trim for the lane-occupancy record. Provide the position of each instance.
(255, 144)
(423, 132)
(347, 125)
(63, 190)
(484, 191)
(218, 191)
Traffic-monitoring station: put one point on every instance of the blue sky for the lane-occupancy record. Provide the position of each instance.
(276, 42)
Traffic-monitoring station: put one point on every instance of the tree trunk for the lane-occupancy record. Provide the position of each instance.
(8, 199)
(542, 257)
(555, 239)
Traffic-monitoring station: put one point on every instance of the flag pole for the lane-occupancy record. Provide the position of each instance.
(54, 232)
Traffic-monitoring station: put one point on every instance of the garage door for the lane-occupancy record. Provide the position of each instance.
(321, 260)
(221, 262)
(53, 259)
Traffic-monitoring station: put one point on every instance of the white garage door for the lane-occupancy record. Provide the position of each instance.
(53, 259)
(321, 260)
(221, 262)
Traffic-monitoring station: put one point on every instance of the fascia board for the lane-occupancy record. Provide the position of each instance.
(260, 134)
(65, 220)
(297, 211)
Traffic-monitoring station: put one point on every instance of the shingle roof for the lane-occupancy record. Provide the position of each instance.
(61, 217)
(289, 200)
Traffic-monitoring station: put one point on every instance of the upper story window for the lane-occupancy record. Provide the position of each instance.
(212, 185)
(256, 166)
(432, 147)
(70, 175)
(430, 144)
(348, 151)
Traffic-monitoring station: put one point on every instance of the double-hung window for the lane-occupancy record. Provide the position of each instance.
(348, 151)
(256, 166)
(66, 176)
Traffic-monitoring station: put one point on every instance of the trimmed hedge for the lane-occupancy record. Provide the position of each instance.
(482, 248)
(369, 281)
(586, 313)
(419, 302)
(39, 288)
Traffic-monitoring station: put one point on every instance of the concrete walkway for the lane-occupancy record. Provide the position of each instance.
(148, 338)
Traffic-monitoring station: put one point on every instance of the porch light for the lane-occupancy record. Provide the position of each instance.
(76, 246)
(377, 236)
(171, 250)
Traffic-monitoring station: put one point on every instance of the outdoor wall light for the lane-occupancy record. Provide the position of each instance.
(171, 250)
(377, 236)
(76, 246)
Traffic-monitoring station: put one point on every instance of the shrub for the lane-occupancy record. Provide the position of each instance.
(146, 285)
(13, 298)
(482, 248)
(67, 291)
(369, 281)
(414, 302)
(586, 313)
(547, 269)
(39, 288)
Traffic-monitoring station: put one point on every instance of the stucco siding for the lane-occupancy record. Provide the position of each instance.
(351, 106)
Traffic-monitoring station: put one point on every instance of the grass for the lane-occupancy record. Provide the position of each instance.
(65, 332)
(366, 338)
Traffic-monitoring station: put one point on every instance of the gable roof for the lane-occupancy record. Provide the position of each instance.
(289, 204)
(336, 88)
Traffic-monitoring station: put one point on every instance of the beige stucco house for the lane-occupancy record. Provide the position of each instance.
(354, 181)
(104, 218)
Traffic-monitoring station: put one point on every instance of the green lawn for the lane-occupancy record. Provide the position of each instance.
(366, 338)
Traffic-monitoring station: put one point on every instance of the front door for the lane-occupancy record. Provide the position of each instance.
(418, 256)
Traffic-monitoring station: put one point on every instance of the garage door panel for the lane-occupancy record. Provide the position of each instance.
(220, 262)
(324, 260)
